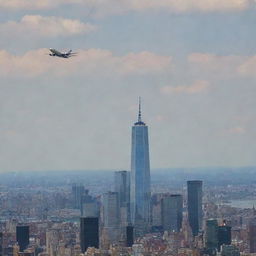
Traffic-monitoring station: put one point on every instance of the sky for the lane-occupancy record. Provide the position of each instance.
(193, 62)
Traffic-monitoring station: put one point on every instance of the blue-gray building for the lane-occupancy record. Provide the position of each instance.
(122, 187)
(171, 211)
(140, 176)
(195, 211)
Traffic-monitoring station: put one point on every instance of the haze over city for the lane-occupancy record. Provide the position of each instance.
(192, 62)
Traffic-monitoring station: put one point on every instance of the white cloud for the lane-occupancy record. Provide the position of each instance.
(248, 67)
(144, 62)
(196, 87)
(222, 66)
(216, 66)
(87, 62)
(113, 6)
(45, 26)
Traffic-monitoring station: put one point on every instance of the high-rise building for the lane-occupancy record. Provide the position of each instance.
(171, 210)
(211, 239)
(111, 219)
(252, 235)
(122, 187)
(77, 192)
(22, 237)
(129, 236)
(195, 212)
(224, 235)
(140, 176)
(111, 214)
(89, 233)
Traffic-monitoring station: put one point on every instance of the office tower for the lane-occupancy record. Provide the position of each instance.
(129, 236)
(111, 209)
(252, 235)
(140, 176)
(156, 212)
(78, 193)
(22, 237)
(89, 233)
(171, 210)
(111, 219)
(211, 239)
(195, 212)
(229, 250)
(122, 187)
(224, 235)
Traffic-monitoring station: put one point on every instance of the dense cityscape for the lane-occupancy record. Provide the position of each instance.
(166, 212)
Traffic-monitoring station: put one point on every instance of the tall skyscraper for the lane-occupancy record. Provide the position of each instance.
(211, 241)
(140, 175)
(22, 237)
(77, 192)
(111, 219)
(122, 187)
(195, 212)
(171, 210)
(89, 233)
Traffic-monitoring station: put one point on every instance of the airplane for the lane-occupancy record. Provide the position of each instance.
(61, 54)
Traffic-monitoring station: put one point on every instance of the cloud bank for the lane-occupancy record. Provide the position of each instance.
(196, 87)
(113, 6)
(93, 62)
(45, 26)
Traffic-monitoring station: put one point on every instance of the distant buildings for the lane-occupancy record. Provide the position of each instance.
(89, 233)
(195, 212)
(140, 177)
(229, 250)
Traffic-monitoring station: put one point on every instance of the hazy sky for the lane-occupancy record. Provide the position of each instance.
(193, 62)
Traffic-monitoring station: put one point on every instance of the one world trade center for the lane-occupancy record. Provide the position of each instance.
(140, 177)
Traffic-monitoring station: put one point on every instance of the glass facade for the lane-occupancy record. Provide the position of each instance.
(89, 233)
(171, 209)
(140, 175)
(195, 212)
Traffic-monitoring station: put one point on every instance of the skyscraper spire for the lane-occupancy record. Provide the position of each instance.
(139, 115)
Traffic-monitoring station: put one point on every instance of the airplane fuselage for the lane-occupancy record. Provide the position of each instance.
(60, 54)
